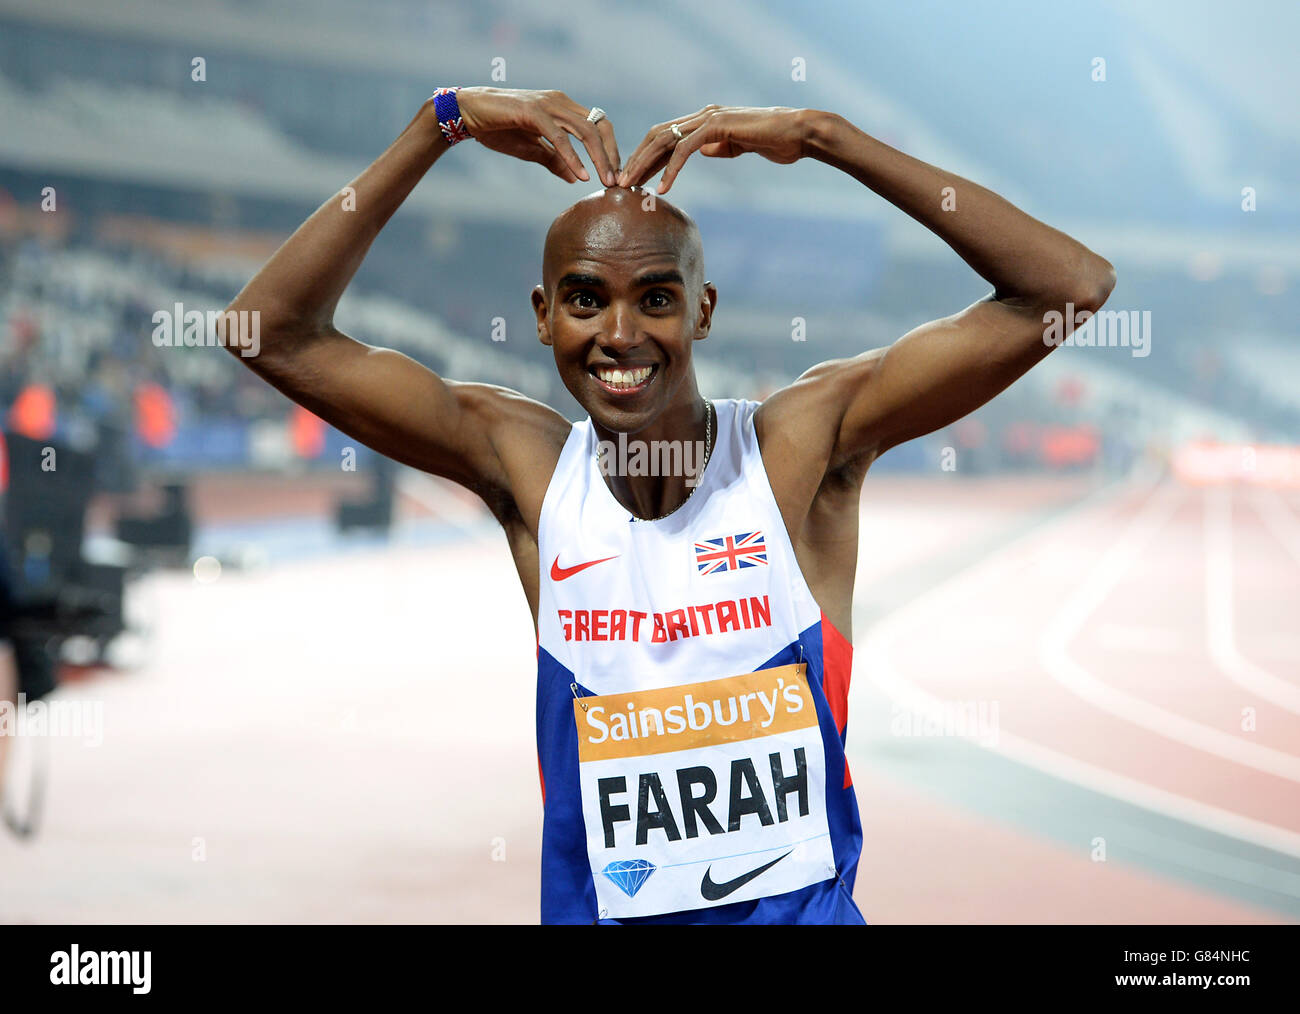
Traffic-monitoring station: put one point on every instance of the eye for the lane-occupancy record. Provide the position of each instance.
(583, 294)
(660, 294)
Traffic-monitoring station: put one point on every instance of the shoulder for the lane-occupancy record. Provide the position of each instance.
(527, 437)
(501, 410)
(805, 417)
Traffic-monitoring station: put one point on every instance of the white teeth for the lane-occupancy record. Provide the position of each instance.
(624, 378)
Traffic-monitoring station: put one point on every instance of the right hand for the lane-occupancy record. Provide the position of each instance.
(534, 126)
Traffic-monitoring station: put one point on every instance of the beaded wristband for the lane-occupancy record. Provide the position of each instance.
(449, 119)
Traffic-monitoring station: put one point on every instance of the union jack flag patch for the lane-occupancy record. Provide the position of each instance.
(735, 552)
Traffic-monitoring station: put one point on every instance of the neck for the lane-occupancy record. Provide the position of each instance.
(655, 471)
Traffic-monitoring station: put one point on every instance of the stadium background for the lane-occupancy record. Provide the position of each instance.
(316, 682)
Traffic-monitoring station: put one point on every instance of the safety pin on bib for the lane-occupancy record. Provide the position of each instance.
(574, 688)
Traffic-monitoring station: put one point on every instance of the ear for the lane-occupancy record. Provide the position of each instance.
(708, 303)
(540, 308)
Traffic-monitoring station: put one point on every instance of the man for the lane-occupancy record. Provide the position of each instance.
(693, 627)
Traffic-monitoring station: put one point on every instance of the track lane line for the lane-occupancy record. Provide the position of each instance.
(874, 647)
(1083, 773)
(1220, 632)
(1279, 520)
(1065, 626)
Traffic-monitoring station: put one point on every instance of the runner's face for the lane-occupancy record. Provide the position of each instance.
(621, 319)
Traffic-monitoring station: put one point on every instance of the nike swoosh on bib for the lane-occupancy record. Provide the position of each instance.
(559, 573)
(712, 891)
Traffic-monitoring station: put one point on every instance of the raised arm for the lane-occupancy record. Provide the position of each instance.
(381, 397)
(858, 408)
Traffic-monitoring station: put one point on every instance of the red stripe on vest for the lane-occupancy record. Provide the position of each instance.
(837, 668)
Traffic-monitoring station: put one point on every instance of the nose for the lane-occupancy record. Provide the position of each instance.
(622, 332)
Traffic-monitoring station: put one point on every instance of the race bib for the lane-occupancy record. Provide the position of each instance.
(703, 794)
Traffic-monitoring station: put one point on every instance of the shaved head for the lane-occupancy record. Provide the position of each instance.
(623, 293)
(613, 221)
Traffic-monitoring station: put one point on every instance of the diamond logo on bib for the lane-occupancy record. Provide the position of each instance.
(629, 876)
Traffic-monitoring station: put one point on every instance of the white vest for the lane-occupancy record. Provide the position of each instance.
(638, 614)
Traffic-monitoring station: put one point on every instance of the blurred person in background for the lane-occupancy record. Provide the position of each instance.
(8, 672)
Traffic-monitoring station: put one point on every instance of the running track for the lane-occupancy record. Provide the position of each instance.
(1140, 654)
(345, 732)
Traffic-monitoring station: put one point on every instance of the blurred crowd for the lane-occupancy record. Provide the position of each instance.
(77, 364)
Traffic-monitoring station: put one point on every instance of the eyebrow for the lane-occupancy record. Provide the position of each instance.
(575, 280)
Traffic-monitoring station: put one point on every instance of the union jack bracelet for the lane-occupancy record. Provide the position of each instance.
(449, 119)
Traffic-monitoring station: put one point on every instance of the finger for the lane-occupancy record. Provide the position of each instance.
(657, 147)
(652, 145)
(661, 160)
(544, 153)
(559, 138)
(611, 146)
(650, 156)
(652, 153)
(640, 166)
(592, 140)
(600, 142)
(693, 141)
(555, 162)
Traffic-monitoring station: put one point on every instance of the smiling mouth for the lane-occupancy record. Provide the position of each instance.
(623, 380)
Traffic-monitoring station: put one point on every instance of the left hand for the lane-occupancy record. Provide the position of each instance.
(777, 133)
